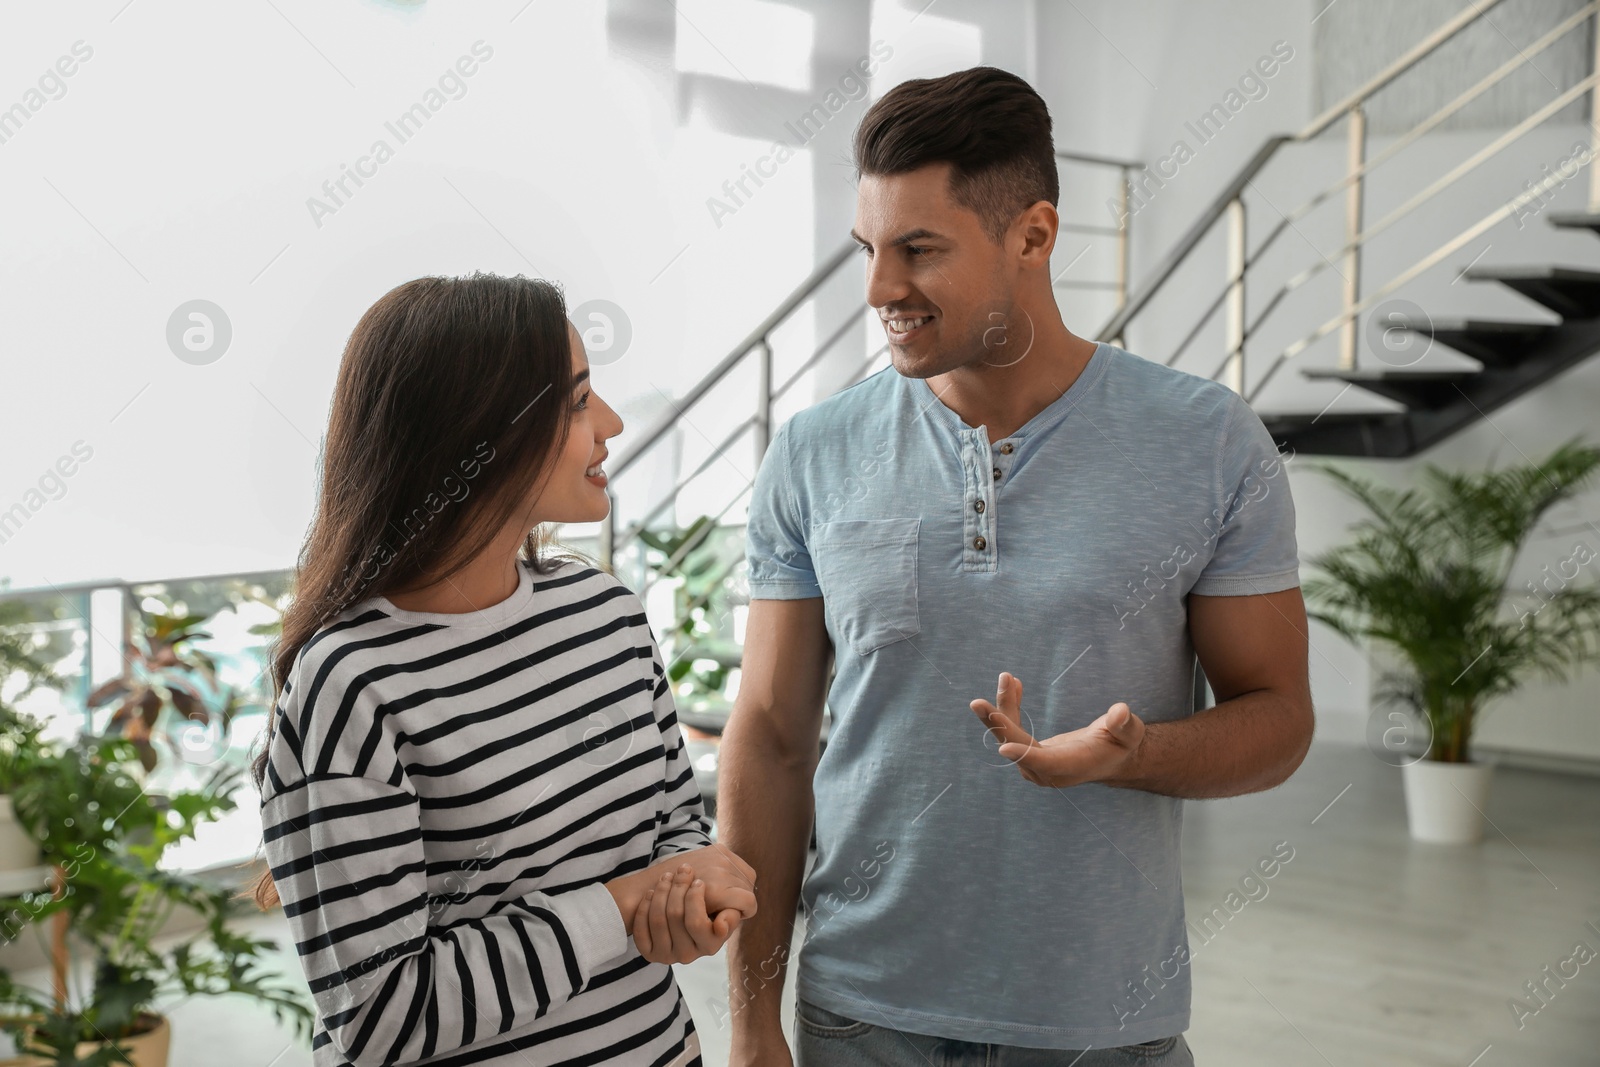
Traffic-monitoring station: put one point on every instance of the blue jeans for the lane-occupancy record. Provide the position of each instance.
(828, 1039)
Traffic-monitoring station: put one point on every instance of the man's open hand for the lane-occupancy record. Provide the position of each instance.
(1097, 752)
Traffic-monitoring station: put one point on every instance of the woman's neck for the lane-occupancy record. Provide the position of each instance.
(489, 578)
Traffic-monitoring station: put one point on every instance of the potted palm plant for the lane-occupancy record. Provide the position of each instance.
(1428, 574)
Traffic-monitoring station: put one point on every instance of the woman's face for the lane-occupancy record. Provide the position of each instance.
(574, 493)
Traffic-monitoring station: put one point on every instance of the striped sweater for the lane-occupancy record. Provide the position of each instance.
(445, 795)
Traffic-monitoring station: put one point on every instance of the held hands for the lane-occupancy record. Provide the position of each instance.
(1097, 752)
(687, 905)
(673, 923)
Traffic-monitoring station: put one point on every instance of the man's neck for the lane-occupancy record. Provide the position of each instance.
(1005, 396)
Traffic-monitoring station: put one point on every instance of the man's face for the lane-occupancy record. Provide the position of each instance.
(942, 287)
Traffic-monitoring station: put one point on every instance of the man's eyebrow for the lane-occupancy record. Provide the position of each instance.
(904, 239)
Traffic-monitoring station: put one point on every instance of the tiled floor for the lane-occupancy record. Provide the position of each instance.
(1368, 949)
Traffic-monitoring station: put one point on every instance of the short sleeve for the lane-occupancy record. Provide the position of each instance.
(1255, 549)
(775, 541)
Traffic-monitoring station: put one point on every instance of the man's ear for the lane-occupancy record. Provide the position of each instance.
(1037, 227)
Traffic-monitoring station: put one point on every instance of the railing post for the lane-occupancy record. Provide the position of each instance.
(608, 534)
(1233, 374)
(763, 423)
(1594, 120)
(1125, 185)
(1355, 159)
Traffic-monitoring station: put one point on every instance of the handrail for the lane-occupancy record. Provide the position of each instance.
(1441, 183)
(21, 592)
(1191, 237)
(800, 295)
(1411, 272)
(1524, 56)
(1215, 210)
(1421, 50)
(643, 521)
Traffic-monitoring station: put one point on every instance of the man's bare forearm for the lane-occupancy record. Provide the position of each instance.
(1243, 745)
(764, 812)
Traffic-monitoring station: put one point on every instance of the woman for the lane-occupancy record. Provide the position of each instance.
(474, 787)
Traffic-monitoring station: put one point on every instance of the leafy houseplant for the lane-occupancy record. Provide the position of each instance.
(105, 837)
(24, 667)
(699, 655)
(165, 679)
(1429, 574)
(693, 556)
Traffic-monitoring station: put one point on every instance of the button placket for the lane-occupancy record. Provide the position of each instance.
(998, 459)
(977, 552)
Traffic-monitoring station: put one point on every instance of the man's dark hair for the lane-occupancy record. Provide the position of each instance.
(987, 123)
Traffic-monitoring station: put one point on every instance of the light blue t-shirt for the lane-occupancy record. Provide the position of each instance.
(951, 896)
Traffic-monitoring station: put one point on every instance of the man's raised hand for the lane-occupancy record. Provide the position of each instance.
(1100, 751)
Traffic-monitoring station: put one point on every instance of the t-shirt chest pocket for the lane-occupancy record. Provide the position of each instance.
(867, 569)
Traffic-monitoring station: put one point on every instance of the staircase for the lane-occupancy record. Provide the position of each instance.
(1515, 356)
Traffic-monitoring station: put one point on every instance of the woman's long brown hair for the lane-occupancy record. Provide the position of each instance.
(453, 398)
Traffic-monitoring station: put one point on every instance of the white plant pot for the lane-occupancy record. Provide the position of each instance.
(1445, 802)
(18, 849)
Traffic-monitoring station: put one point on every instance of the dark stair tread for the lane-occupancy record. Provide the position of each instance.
(1307, 417)
(1390, 374)
(1405, 385)
(1571, 292)
(1576, 220)
(1516, 326)
(1497, 274)
(1492, 342)
(1458, 398)
(1294, 420)
(1369, 433)
(1329, 422)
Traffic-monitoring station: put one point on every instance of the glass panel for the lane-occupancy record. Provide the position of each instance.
(44, 656)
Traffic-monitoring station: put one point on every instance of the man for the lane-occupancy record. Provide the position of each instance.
(1011, 500)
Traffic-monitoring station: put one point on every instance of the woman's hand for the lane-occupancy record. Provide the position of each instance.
(730, 882)
(672, 923)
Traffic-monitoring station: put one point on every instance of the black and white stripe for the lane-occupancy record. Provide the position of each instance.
(445, 796)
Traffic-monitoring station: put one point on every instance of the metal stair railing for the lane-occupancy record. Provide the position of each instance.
(757, 345)
(1229, 207)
